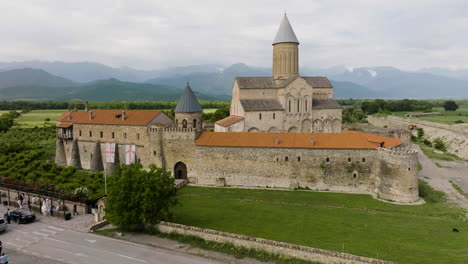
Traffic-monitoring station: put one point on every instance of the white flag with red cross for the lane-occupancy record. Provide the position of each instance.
(130, 151)
(110, 152)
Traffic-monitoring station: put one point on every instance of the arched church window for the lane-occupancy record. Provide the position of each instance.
(305, 105)
(298, 104)
(274, 115)
(184, 123)
(289, 107)
(260, 116)
(194, 123)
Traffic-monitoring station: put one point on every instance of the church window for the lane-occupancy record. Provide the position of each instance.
(274, 115)
(299, 159)
(305, 105)
(277, 159)
(125, 135)
(138, 135)
(90, 133)
(286, 158)
(184, 123)
(289, 107)
(363, 159)
(260, 116)
(328, 159)
(409, 168)
(354, 175)
(349, 159)
(154, 152)
(177, 122)
(101, 134)
(298, 104)
(194, 123)
(79, 132)
(113, 135)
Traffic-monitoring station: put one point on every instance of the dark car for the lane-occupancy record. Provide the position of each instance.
(22, 216)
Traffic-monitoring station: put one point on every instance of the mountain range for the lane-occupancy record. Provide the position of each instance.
(39, 80)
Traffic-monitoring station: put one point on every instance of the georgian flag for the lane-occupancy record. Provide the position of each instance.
(130, 151)
(110, 152)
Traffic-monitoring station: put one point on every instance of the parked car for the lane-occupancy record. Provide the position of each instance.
(3, 225)
(22, 216)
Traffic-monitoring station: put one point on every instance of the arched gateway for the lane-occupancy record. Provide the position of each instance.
(180, 171)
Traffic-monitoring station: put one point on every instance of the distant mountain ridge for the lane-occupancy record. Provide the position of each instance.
(28, 84)
(216, 81)
(28, 76)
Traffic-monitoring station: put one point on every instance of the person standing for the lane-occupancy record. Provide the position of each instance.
(74, 210)
(8, 216)
(1, 247)
(4, 259)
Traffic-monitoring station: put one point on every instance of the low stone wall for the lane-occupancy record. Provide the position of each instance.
(455, 137)
(11, 196)
(275, 247)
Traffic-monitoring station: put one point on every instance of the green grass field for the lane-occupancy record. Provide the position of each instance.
(38, 117)
(446, 117)
(356, 223)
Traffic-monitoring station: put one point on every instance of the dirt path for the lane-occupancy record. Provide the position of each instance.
(439, 179)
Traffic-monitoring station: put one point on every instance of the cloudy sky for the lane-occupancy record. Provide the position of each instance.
(153, 34)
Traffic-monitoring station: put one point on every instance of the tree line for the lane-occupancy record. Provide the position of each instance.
(128, 105)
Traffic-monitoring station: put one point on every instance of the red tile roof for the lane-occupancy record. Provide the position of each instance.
(227, 121)
(345, 140)
(111, 117)
(63, 125)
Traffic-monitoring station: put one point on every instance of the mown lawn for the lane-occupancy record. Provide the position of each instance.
(356, 223)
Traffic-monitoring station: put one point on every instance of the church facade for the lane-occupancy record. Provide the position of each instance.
(285, 102)
(318, 155)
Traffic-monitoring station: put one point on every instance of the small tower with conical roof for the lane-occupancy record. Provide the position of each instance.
(285, 51)
(188, 112)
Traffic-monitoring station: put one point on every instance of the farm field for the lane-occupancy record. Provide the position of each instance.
(352, 223)
(38, 117)
(446, 117)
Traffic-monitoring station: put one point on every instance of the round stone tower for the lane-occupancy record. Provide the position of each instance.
(188, 112)
(285, 51)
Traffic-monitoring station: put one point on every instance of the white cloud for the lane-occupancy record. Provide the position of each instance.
(156, 34)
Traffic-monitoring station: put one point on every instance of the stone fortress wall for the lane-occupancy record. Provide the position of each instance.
(390, 174)
(454, 136)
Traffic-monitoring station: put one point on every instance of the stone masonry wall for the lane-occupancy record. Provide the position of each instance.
(454, 136)
(271, 246)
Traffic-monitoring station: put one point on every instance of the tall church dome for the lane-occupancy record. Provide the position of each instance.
(285, 51)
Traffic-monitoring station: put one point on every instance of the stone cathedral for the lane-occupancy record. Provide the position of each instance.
(285, 102)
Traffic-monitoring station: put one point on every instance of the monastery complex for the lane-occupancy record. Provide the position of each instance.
(284, 131)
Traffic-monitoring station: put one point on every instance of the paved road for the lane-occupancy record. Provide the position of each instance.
(43, 243)
(439, 179)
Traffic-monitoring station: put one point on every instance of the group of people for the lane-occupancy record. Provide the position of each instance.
(3, 257)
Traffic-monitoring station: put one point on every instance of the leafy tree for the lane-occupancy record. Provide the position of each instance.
(450, 105)
(138, 198)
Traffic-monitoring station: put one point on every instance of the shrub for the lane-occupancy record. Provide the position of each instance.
(459, 122)
(427, 142)
(450, 105)
(439, 145)
(420, 132)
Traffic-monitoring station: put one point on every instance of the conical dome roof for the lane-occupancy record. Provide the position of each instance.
(188, 103)
(285, 33)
